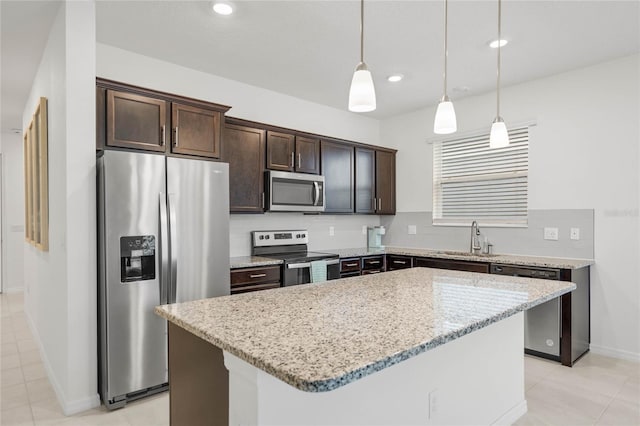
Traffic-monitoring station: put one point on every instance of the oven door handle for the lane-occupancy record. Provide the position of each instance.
(308, 264)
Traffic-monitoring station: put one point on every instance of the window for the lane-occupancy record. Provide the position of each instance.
(474, 182)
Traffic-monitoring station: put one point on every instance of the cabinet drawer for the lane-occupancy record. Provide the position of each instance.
(253, 287)
(373, 262)
(350, 265)
(245, 276)
(456, 265)
(398, 262)
(371, 271)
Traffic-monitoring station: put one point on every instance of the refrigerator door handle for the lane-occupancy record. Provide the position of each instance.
(164, 250)
(173, 241)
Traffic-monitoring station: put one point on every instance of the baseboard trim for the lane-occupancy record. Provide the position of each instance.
(511, 416)
(614, 353)
(68, 407)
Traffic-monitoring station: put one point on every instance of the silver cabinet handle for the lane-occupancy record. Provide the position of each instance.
(374, 262)
(176, 140)
(257, 275)
(400, 262)
(163, 139)
(164, 250)
(380, 204)
(351, 264)
(263, 200)
(299, 160)
(173, 239)
(292, 158)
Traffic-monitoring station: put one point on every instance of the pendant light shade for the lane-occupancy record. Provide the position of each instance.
(499, 137)
(445, 121)
(362, 94)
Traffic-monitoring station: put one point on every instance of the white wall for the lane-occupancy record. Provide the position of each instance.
(584, 154)
(60, 285)
(247, 102)
(12, 212)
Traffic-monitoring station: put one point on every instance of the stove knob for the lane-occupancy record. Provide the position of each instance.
(266, 237)
(303, 235)
(262, 237)
(298, 236)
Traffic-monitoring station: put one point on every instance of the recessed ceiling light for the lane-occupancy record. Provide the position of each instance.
(222, 8)
(495, 43)
(394, 78)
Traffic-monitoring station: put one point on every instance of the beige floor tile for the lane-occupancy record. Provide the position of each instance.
(19, 416)
(47, 412)
(9, 361)
(97, 417)
(40, 390)
(591, 378)
(540, 367)
(9, 348)
(8, 337)
(621, 366)
(621, 413)
(11, 376)
(23, 334)
(26, 345)
(152, 411)
(30, 357)
(555, 399)
(630, 391)
(33, 372)
(6, 326)
(13, 396)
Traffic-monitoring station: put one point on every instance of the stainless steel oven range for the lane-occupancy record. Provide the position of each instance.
(290, 246)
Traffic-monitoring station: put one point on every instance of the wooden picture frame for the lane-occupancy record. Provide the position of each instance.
(36, 171)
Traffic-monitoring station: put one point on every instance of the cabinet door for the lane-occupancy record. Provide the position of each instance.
(307, 155)
(135, 121)
(196, 131)
(280, 151)
(365, 180)
(244, 151)
(386, 182)
(455, 265)
(395, 261)
(337, 168)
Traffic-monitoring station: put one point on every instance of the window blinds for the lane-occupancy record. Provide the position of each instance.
(474, 182)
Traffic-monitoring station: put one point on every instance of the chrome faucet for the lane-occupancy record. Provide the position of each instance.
(474, 245)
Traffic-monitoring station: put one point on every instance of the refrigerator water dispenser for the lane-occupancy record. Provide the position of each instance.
(137, 258)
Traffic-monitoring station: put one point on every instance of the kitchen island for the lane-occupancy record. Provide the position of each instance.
(416, 346)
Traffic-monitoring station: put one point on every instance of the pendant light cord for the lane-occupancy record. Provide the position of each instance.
(446, 50)
(362, 31)
(499, 49)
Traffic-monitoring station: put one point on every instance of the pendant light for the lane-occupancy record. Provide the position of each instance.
(499, 137)
(445, 121)
(362, 95)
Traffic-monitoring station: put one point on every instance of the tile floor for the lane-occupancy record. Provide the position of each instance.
(597, 390)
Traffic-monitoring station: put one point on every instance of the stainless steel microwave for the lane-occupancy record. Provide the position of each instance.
(294, 192)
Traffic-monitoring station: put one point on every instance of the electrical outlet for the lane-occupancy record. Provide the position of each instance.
(551, 234)
(332, 231)
(364, 229)
(575, 233)
(412, 230)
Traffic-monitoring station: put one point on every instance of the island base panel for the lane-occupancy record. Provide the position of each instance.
(476, 379)
(198, 381)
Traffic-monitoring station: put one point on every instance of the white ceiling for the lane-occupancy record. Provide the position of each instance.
(309, 49)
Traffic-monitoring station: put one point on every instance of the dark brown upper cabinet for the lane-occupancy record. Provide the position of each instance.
(307, 155)
(280, 151)
(136, 121)
(365, 180)
(196, 131)
(243, 149)
(385, 182)
(337, 167)
(290, 153)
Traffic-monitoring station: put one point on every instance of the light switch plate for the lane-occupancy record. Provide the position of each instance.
(575, 233)
(551, 234)
(332, 231)
(364, 229)
(412, 230)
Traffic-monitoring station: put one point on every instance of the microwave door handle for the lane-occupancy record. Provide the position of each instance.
(316, 197)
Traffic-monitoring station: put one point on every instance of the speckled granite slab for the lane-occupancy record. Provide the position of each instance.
(318, 337)
(509, 259)
(252, 261)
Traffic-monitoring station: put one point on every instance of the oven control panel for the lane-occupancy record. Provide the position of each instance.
(279, 238)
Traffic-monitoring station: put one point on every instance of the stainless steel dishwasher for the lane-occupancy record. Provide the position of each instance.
(542, 323)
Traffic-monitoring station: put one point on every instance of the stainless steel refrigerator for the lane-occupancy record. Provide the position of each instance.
(163, 237)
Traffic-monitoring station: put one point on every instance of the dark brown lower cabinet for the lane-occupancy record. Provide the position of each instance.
(349, 267)
(245, 280)
(373, 264)
(243, 148)
(455, 265)
(395, 262)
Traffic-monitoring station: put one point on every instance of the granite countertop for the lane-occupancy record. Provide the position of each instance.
(318, 337)
(252, 261)
(509, 259)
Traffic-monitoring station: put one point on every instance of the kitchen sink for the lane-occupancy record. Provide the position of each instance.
(465, 253)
